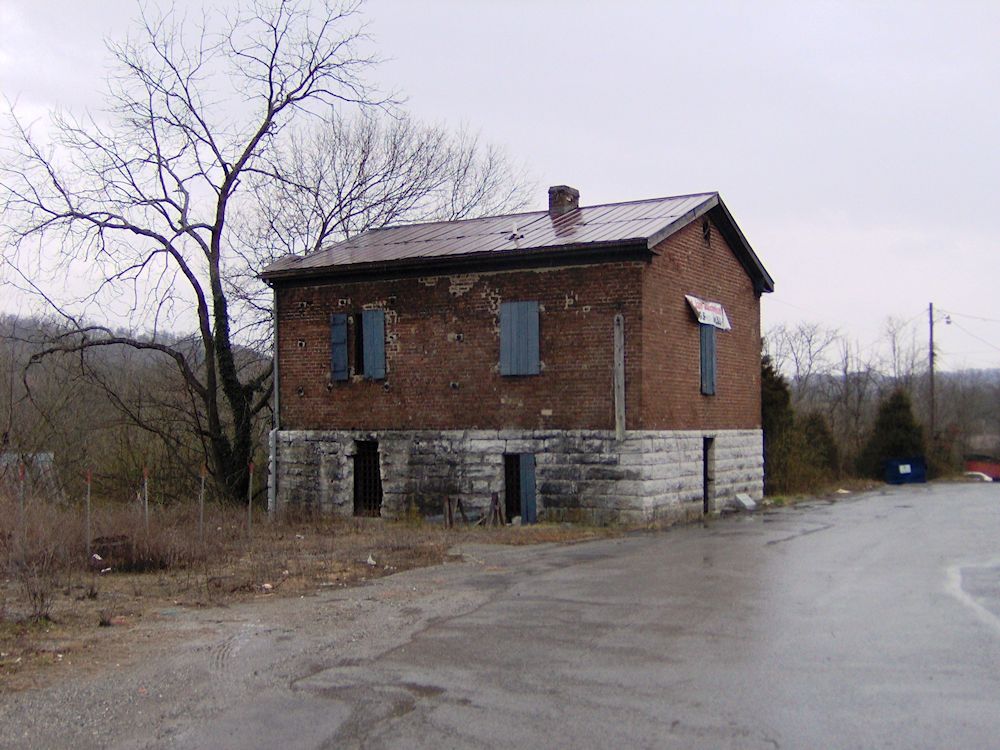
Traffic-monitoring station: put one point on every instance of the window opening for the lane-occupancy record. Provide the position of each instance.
(359, 343)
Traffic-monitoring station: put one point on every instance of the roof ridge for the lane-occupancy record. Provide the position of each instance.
(652, 200)
(540, 212)
(449, 221)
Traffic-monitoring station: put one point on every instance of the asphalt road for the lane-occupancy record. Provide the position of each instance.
(873, 622)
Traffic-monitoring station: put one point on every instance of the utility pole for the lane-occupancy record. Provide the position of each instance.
(930, 357)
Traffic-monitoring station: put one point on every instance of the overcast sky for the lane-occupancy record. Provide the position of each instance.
(855, 143)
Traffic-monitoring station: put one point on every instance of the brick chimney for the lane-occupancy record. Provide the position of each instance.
(562, 200)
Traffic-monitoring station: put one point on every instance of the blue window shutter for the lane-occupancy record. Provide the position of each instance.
(529, 512)
(519, 350)
(338, 346)
(529, 330)
(520, 340)
(707, 359)
(507, 338)
(373, 330)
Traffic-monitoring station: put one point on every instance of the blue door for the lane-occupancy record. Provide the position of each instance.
(528, 512)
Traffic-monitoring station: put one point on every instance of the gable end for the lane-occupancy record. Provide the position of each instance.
(716, 209)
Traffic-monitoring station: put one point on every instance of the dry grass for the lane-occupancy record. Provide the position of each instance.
(57, 605)
(830, 491)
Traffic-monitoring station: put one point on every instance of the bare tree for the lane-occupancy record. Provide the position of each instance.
(905, 356)
(852, 397)
(139, 215)
(804, 352)
(366, 171)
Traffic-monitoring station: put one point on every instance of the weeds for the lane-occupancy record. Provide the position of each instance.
(52, 591)
(38, 584)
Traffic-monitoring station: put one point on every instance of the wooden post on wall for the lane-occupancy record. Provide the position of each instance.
(619, 377)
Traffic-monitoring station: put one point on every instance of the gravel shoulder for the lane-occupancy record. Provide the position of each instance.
(181, 676)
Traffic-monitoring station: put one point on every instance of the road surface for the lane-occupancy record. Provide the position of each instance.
(870, 622)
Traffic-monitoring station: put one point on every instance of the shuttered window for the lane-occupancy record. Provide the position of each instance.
(369, 345)
(373, 333)
(338, 347)
(707, 359)
(519, 338)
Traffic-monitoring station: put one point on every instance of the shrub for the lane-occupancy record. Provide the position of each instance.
(800, 455)
(820, 444)
(777, 419)
(895, 434)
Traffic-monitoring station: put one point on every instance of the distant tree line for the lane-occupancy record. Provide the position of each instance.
(831, 412)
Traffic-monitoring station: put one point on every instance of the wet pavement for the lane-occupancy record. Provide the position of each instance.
(870, 622)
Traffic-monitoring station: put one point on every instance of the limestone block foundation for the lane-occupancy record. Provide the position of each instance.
(580, 475)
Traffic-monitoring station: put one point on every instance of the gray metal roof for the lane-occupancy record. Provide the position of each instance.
(525, 234)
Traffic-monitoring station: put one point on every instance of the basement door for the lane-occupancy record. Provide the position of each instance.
(519, 486)
(707, 472)
(367, 479)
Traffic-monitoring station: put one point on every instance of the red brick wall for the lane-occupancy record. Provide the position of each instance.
(671, 386)
(424, 357)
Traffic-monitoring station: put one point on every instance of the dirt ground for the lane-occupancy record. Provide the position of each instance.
(93, 616)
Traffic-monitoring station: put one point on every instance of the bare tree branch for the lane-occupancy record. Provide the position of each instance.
(224, 143)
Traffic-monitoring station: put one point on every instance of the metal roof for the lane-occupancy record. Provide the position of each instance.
(535, 233)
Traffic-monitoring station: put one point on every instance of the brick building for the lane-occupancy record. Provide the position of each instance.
(598, 363)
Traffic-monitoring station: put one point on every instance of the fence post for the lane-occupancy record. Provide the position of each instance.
(89, 479)
(22, 519)
(145, 497)
(250, 503)
(201, 506)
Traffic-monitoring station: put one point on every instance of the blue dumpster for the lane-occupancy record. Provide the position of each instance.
(906, 470)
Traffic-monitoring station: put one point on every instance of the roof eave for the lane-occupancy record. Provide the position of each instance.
(592, 252)
(763, 283)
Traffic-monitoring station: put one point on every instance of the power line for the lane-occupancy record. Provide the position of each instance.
(970, 317)
(977, 338)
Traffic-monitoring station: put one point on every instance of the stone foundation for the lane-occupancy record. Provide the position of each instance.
(581, 475)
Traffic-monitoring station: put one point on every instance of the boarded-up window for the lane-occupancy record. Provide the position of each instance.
(707, 359)
(338, 347)
(519, 338)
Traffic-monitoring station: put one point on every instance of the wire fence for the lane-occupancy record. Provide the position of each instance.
(97, 531)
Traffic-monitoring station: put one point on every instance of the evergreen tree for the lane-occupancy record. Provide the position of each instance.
(820, 443)
(896, 434)
(777, 419)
